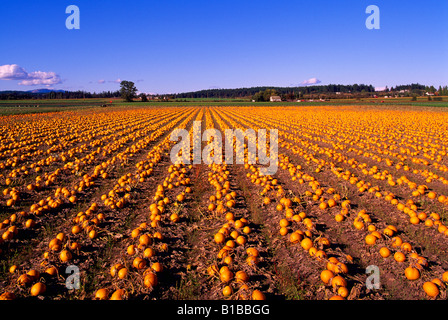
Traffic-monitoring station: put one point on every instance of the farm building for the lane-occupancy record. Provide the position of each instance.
(275, 98)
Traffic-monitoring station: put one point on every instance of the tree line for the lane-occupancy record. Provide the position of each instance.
(282, 91)
(128, 92)
(25, 95)
(419, 89)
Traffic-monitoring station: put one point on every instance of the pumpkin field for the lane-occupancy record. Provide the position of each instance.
(93, 208)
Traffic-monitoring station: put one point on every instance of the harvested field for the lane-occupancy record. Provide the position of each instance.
(97, 191)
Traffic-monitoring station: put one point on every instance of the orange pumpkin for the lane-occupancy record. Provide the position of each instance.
(412, 273)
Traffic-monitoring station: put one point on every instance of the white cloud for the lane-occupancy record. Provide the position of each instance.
(310, 81)
(12, 72)
(116, 81)
(15, 72)
(40, 77)
(102, 81)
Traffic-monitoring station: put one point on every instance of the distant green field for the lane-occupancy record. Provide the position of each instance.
(4, 111)
(9, 107)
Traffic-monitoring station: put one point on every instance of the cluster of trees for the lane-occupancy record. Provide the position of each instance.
(128, 92)
(264, 95)
(217, 93)
(410, 87)
(284, 92)
(409, 90)
(317, 91)
(333, 88)
(441, 91)
(324, 92)
(416, 89)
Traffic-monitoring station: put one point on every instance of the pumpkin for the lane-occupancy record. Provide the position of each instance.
(295, 237)
(388, 232)
(241, 276)
(323, 205)
(122, 273)
(284, 223)
(65, 255)
(406, 246)
(306, 243)
(370, 239)
(258, 295)
(431, 289)
(338, 281)
(76, 229)
(93, 234)
(30, 223)
(212, 270)
(227, 291)
(326, 275)
(343, 292)
(284, 231)
(24, 280)
(138, 263)
(396, 242)
(38, 289)
(131, 250)
(145, 240)
(445, 276)
(226, 276)
(102, 294)
(384, 252)
(252, 260)
(118, 294)
(149, 252)
(157, 267)
(399, 256)
(12, 269)
(7, 296)
(241, 240)
(219, 238)
(150, 280)
(252, 252)
(51, 271)
(34, 274)
(412, 273)
(337, 297)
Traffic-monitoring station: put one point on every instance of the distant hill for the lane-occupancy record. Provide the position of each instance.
(54, 94)
(44, 91)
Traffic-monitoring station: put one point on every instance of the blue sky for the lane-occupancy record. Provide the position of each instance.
(177, 46)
